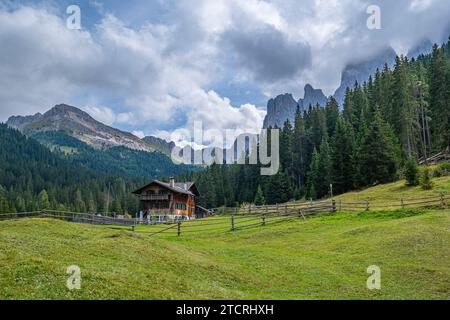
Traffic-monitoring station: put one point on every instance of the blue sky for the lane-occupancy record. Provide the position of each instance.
(155, 66)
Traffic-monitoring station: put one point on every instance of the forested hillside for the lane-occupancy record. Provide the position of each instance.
(115, 161)
(396, 115)
(33, 178)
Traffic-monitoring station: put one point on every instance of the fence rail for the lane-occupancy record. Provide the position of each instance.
(232, 219)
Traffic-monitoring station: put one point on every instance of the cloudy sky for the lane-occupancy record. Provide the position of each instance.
(154, 66)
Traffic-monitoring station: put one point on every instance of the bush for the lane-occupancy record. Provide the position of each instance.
(411, 172)
(425, 180)
(442, 170)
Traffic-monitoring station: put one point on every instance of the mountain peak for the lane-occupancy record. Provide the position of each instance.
(280, 109)
(80, 125)
(313, 97)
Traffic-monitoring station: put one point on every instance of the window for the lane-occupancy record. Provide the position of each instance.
(180, 206)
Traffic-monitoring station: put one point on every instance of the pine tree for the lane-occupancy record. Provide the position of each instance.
(332, 114)
(440, 98)
(379, 157)
(299, 151)
(259, 199)
(325, 169)
(341, 154)
(43, 201)
(314, 176)
(411, 172)
(80, 205)
(4, 206)
(426, 180)
(20, 204)
(286, 145)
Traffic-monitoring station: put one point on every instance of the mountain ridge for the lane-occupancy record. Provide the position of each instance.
(80, 125)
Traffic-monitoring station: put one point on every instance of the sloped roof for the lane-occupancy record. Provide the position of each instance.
(188, 188)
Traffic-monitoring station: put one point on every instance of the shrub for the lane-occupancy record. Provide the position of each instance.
(425, 180)
(442, 170)
(411, 172)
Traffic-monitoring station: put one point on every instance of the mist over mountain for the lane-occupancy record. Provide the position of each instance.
(360, 72)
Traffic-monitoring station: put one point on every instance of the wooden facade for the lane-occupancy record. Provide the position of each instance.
(168, 201)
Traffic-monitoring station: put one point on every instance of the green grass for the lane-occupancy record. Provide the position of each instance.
(318, 258)
(397, 190)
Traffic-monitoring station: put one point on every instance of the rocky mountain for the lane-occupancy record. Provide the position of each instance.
(19, 122)
(361, 71)
(285, 106)
(312, 97)
(279, 109)
(83, 127)
(160, 144)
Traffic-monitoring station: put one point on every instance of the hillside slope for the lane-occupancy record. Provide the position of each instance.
(325, 257)
(116, 161)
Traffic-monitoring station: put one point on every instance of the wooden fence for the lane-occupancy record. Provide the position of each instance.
(233, 219)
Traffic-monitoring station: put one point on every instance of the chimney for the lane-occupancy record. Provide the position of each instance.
(172, 182)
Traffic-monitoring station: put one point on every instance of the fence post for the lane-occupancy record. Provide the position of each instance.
(133, 229)
(442, 200)
(367, 205)
(264, 219)
(402, 203)
(232, 223)
(286, 210)
(340, 205)
(334, 205)
(179, 229)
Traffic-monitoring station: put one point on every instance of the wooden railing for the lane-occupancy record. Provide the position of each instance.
(233, 219)
(155, 197)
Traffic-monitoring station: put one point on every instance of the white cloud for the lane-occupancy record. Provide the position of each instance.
(103, 114)
(140, 134)
(162, 70)
(420, 5)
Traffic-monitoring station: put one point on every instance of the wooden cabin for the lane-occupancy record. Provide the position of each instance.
(168, 201)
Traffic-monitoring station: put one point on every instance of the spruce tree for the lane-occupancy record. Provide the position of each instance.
(378, 155)
(259, 199)
(411, 172)
(314, 176)
(43, 201)
(342, 146)
(325, 169)
(426, 181)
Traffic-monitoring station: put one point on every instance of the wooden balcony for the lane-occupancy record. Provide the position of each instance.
(155, 197)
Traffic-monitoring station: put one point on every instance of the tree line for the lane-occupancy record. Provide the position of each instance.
(399, 114)
(33, 178)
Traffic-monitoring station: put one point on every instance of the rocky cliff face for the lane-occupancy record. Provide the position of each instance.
(160, 144)
(279, 109)
(313, 97)
(284, 106)
(21, 122)
(81, 126)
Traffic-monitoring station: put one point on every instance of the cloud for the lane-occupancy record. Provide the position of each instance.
(266, 53)
(165, 74)
(103, 114)
(140, 134)
(420, 5)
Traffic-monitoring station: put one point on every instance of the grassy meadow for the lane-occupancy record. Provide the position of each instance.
(322, 257)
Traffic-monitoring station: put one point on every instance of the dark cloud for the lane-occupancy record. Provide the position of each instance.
(266, 53)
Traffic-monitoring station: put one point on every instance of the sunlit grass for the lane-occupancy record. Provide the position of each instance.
(317, 258)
